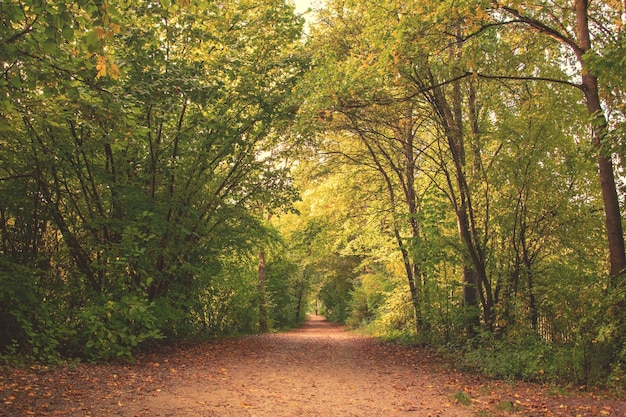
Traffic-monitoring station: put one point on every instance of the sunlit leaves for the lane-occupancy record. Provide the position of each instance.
(479, 67)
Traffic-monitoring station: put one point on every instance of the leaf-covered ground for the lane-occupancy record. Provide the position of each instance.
(318, 370)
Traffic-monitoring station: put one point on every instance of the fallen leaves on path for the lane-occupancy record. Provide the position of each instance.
(318, 370)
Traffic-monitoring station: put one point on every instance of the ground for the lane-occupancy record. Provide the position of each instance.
(317, 370)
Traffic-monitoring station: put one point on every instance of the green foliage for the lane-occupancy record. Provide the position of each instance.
(288, 292)
(525, 358)
(588, 351)
(18, 296)
(30, 326)
(138, 143)
(336, 291)
(395, 319)
(226, 302)
(365, 304)
(335, 297)
(108, 329)
(46, 327)
(609, 65)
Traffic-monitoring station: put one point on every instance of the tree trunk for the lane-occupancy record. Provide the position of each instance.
(411, 268)
(416, 277)
(613, 219)
(299, 304)
(475, 283)
(264, 320)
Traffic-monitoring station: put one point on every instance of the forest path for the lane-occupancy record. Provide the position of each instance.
(317, 370)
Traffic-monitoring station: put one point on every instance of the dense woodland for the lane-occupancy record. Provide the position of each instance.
(444, 173)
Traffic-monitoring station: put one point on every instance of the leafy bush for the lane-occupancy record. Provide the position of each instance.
(112, 329)
(584, 361)
(287, 292)
(335, 295)
(29, 330)
(527, 358)
(367, 298)
(18, 298)
(397, 313)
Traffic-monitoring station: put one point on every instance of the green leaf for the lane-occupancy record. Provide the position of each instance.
(92, 41)
(15, 81)
(68, 33)
(50, 47)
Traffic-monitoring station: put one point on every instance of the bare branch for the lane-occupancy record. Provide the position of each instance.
(528, 78)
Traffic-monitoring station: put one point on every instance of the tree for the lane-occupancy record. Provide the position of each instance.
(576, 28)
(147, 134)
(387, 134)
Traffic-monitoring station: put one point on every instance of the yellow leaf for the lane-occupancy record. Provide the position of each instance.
(115, 27)
(114, 71)
(101, 66)
(100, 32)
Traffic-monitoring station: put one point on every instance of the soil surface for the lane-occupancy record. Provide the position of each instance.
(317, 370)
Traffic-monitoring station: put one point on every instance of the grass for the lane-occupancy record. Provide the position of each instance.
(462, 398)
(507, 406)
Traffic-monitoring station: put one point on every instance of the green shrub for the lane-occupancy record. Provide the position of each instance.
(114, 328)
(28, 328)
(527, 358)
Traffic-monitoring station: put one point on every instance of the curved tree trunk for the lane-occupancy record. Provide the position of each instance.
(613, 218)
(589, 86)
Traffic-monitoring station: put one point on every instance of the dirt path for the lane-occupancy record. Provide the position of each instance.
(318, 370)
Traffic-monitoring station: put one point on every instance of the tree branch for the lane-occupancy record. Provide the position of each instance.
(525, 78)
(16, 177)
(543, 28)
(29, 28)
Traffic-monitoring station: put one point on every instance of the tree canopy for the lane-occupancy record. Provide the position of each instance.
(138, 141)
(448, 173)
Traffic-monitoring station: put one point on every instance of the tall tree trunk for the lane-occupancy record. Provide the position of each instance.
(407, 137)
(450, 112)
(264, 319)
(589, 86)
(411, 268)
(475, 284)
(613, 218)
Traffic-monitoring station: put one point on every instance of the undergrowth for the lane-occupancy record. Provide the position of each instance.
(583, 363)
